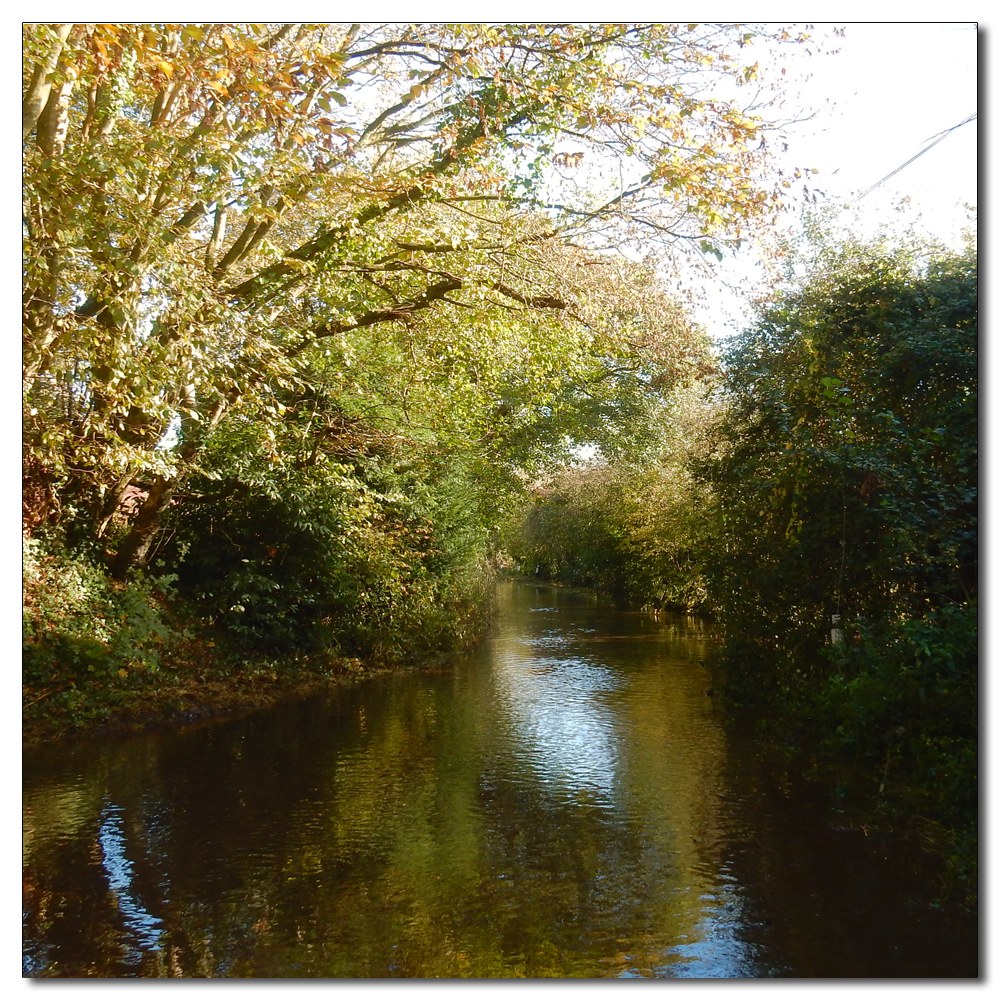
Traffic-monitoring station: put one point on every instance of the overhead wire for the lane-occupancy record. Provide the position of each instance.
(938, 138)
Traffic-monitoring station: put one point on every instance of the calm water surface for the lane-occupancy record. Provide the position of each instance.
(566, 802)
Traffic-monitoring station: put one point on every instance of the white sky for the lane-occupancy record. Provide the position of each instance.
(893, 86)
(890, 89)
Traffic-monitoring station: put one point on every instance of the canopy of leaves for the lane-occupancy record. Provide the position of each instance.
(267, 266)
(203, 203)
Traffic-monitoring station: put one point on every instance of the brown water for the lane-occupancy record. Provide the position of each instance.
(568, 801)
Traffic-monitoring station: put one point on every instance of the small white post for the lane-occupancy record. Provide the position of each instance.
(836, 633)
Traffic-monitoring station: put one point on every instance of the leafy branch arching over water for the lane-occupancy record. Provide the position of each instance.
(306, 304)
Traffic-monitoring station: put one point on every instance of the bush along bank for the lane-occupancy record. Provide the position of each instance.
(100, 654)
(846, 569)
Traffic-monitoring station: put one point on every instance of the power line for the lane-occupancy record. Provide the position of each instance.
(940, 137)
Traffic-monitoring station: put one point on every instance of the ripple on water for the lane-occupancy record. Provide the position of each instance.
(565, 801)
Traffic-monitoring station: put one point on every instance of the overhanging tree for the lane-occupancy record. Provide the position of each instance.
(208, 205)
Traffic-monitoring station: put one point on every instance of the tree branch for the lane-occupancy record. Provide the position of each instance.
(326, 240)
(535, 301)
(37, 93)
(401, 311)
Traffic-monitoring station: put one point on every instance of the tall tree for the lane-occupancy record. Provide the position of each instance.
(206, 205)
(846, 476)
(846, 463)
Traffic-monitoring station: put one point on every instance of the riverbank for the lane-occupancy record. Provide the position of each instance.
(102, 655)
(198, 678)
(200, 683)
(204, 677)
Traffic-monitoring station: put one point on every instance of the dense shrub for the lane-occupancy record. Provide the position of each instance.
(371, 555)
(846, 474)
(77, 625)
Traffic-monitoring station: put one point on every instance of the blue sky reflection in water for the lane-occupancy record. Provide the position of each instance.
(142, 925)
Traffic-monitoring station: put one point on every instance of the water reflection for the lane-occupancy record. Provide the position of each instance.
(566, 802)
(142, 926)
(559, 726)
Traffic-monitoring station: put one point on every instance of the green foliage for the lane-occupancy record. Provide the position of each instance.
(322, 296)
(205, 204)
(845, 471)
(565, 534)
(361, 546)
(79, 627)
(910, 693)
(639, 530)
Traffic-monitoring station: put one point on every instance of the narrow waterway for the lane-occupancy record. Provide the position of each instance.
(568, 801)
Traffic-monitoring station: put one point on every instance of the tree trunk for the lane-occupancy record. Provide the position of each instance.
(53, 122)
(134, 551)
(112, 502)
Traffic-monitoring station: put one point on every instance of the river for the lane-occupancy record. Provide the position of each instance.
(568, 800)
